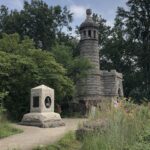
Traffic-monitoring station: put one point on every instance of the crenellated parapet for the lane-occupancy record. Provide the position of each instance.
(111, 73)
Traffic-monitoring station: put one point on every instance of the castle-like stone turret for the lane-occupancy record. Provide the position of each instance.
(89, 89)
(99, 84)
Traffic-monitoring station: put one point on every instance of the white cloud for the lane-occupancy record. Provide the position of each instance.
(78, 11)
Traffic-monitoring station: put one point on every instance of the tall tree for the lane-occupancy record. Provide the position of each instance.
(76, 66)
(117, 54)
(127, 48)
(104, 30)
(37, 20)
(137, 26)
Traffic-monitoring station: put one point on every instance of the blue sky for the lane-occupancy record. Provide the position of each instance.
(106, 8)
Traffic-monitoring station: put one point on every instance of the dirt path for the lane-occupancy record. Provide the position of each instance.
(34, 136)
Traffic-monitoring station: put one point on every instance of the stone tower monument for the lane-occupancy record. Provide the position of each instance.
(98, 85)
(89, 89)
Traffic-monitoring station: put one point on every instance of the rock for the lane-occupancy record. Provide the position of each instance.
(90, 127)
(44, 120)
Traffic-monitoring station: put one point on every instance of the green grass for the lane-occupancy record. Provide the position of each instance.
(6, 129)
(143, 141)
(128, 128)
(68, 142)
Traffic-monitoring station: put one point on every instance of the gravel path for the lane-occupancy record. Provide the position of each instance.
(34, 136)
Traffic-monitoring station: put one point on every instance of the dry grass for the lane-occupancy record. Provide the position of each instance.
(125, 125)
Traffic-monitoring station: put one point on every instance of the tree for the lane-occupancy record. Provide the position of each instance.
(76, 66)
(23, 67)
(117, 54)
(104, 30)
(127, 48)
(37, 20)
(136, 22)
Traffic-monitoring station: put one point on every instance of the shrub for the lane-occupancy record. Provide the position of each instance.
(5, 128)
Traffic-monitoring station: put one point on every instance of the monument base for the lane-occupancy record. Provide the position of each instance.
(43, 120)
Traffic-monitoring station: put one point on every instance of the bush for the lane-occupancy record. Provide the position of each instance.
(5, 128)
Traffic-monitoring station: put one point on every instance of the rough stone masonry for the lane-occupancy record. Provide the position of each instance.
(99, 84)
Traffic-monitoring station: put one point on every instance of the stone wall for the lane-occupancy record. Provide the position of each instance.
(89, 88)
(112, 83)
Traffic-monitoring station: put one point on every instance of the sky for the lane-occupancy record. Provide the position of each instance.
(106, 8)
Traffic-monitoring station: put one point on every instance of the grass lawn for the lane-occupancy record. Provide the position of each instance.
(6, 129)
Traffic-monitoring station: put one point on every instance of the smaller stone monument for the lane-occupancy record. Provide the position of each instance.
(42, 109)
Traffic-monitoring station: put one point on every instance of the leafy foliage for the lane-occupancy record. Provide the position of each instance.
(37, 20)
(136, 22)
(23, 67)
(28, 66)
(76, 66)
(127, 48)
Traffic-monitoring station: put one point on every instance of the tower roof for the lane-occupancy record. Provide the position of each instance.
(89, 22)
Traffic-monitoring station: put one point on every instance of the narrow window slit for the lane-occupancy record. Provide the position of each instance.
(94, 34)
(89, 33)
(84, 32)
